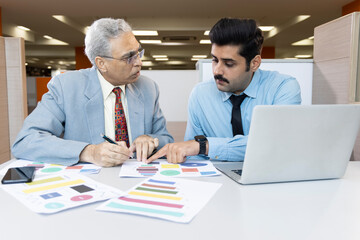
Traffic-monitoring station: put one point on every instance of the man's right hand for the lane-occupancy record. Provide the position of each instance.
(106, 154)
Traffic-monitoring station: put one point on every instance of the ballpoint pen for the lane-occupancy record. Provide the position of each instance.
(153, 152)
(113, 142)
(107, 139)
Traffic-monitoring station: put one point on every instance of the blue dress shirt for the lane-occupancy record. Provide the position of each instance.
(210, 111)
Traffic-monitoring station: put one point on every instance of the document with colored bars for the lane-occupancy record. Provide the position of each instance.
(161, 167)
(55, 193)
(173, 199)
(48, 169)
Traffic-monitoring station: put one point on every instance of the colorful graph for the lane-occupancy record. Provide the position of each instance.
(46, 169)
(163, 168)
(57, 193)
(172, 199)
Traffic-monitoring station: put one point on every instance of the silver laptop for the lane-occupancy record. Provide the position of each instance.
(297, 143)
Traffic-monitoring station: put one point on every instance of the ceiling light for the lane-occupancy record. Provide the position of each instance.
(206, 33)
(147, 63)
(266, 28)
(174, 44)
(303, 17)
(23, 28)
(59, 17)
(205, 41)
(175, 62)
(161, 59)
(159, 56)
(150, 41)
(304, 42)
(199, 56)
(49, 67)
(303, 56)
(26, 64)
(47, 37)
(145, 33)
(195, 59)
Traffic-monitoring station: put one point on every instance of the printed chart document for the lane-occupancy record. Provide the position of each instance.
(46, 168)
(161, 167)
(54, 193)
(173, 199)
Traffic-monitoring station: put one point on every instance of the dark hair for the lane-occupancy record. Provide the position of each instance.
(243, 32)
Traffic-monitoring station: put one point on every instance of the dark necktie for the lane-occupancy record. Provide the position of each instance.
(236, 114)
(121, 133)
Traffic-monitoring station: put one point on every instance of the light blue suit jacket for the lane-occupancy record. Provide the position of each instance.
(71, 115)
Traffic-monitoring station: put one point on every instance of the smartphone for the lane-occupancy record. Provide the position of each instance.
(19, 175)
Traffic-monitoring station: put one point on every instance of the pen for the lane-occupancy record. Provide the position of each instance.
(113, 142)
(108, 139)
(153, 152)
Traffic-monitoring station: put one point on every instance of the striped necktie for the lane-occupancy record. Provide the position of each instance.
(121, 133)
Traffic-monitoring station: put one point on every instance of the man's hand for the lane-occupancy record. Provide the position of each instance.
(176, 152)
(144, 145)
(106, 154)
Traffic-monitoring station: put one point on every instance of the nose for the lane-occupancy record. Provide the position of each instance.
(138, 61)
(217, 68)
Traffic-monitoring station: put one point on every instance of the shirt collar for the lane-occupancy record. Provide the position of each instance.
(107, 87)
(250, 91)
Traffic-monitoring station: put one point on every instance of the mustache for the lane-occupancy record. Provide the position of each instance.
(221, 78)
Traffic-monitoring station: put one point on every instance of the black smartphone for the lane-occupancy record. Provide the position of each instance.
(19, 175)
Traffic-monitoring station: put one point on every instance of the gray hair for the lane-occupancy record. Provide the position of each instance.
(97, 39)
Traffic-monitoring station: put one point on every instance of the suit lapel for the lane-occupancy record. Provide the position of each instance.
(94, 108)
(135, 101)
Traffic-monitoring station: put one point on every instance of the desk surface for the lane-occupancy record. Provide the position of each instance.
(328, 209)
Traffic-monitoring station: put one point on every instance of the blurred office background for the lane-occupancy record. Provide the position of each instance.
(173, 33)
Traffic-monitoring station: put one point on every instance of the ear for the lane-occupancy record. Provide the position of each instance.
(100, 64)
(255, 63)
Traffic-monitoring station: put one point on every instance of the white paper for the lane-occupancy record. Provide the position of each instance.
(173, 199)
(46, 168)
(161, 167)
(54, 193)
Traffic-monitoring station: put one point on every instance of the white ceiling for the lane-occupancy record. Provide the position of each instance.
(184, 19)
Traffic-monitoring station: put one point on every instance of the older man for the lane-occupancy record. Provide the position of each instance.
(111, 98)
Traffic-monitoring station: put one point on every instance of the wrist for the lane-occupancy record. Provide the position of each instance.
(203, 144)
(87, 154)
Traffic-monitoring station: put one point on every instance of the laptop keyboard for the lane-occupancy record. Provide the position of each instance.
(237, 171)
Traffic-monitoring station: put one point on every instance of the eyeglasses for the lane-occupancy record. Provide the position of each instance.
(131, 59)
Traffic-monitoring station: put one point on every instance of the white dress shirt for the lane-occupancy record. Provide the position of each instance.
(109, 107)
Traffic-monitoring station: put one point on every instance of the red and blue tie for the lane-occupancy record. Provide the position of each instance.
(121, 133)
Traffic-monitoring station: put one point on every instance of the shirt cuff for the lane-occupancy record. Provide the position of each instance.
(218, 149)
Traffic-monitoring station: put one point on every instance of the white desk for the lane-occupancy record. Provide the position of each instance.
(304, 210)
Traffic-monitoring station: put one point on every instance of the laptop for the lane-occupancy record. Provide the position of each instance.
(296, 143)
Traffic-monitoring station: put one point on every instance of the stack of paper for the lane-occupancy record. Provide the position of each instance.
(46, 168)
(168, 198)
(56, 193)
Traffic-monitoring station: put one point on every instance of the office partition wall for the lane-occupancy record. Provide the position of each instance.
(4, 117)
(13, 97)
(336, 64)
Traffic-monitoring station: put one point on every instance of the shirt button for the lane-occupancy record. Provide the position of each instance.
(216, 157)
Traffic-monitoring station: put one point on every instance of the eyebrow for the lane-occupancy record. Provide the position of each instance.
(224, 59)
(131, 53)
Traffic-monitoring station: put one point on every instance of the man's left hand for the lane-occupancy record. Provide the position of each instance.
(144, 145)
